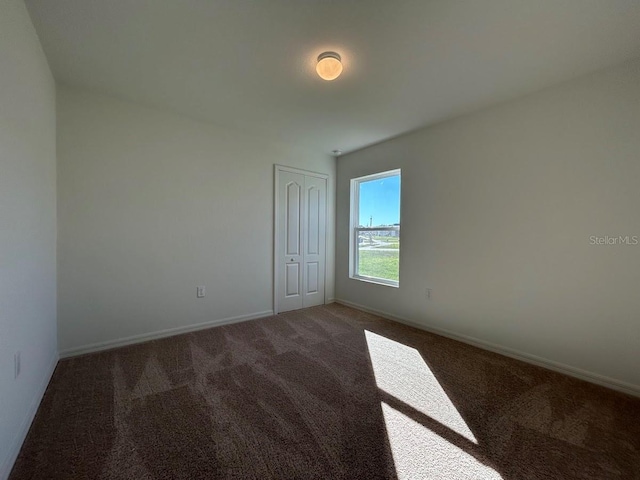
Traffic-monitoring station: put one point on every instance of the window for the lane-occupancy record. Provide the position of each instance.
(374, 253)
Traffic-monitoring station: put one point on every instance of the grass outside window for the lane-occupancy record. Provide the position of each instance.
(379, 264)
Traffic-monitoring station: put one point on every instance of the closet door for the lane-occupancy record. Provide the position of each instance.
(300, 230)
(314, 222)
(289, 258)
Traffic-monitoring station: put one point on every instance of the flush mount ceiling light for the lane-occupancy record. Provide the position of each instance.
(329, 65)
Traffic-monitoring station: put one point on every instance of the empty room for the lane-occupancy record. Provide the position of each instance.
(319, 239)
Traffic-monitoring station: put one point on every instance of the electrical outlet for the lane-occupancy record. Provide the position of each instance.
(16, 364)
(200, 292)
(428, 293)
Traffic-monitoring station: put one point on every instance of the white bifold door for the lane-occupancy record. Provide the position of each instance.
(301, 213)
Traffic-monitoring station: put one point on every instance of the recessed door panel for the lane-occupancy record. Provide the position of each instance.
(292, 227)
(313, 229)
(312, 277)
(292, 272)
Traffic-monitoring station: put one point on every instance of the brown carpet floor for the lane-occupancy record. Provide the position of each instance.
(321, 393)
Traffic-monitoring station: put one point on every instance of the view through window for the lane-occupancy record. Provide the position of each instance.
(375, 228)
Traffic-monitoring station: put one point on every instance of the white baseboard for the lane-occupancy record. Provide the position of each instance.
(169, 332)
(331, 300)
(591, 377)
(21, 435)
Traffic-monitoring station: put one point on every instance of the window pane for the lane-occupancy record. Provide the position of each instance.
(379, 254)
(379, 202)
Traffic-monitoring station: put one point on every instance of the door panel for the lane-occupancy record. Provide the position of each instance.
(289, 255)
(312, 277)
(313, 231)
(314, 240)
(293, 206)
(292, 272)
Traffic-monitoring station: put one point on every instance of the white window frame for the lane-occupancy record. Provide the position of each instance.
(355, 229)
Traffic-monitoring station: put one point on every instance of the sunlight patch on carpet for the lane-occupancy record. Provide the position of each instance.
(416, 408)
(421, 453)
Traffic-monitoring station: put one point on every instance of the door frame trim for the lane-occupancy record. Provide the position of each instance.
(276, 225)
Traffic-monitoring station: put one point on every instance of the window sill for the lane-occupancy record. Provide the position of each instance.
(377, 281)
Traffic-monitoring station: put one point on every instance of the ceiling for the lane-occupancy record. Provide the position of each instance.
(249, 64)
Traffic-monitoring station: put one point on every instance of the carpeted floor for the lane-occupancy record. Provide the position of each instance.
(322, 393)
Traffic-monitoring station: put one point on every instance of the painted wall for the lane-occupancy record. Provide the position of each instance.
(498, 208)
(151, 205)
(27, 226)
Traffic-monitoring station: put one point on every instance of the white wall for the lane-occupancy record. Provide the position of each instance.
(27, 226)
(497, 212)
(151, 205)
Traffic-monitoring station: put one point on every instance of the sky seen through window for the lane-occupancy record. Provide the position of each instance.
(380, 202)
